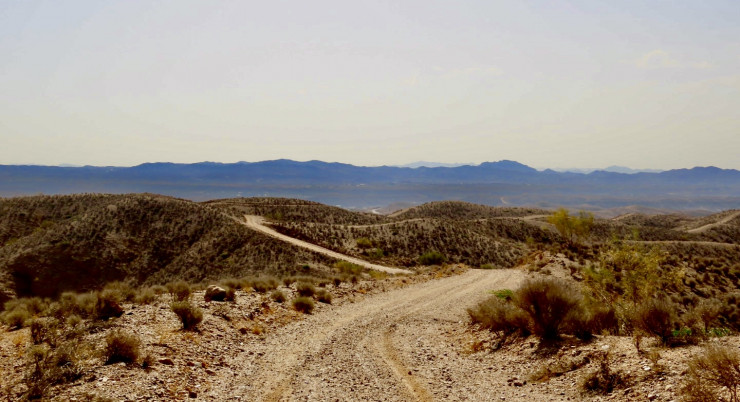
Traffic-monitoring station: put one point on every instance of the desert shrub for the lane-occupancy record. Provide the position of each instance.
(278, 296)
(18, 312)
(159, 289)
(602, 319)
(323, 296)
(233, 283)
(305, 289)
(85, 304)
(190, 315)
(713, 375)
(108, 305)
(348, 268)
(51, 366)
(179, 290)
(287, 281)
(364, 243)
(497, 315)
(145, 296)
(709, 311)
(336, 281)
(44, 330)
(432, 258)
(122, 290)
(121, 347)
(73, 320)
(230, 294)
(264, 284)
(550, 303)
(303, 304)
(656, 317)
(15, 318)
(377, 275)
(603, 380)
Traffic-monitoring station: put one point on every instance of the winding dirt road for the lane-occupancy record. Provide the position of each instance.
(714, 224)
(370, 350)
(257, 223)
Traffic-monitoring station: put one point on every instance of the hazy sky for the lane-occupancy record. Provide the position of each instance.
(648, 83)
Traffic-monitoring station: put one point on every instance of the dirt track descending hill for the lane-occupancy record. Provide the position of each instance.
(356, 352)
(256, 223)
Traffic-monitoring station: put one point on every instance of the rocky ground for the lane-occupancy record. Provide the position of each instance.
(396, 339)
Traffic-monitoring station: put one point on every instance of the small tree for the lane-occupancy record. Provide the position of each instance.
(570, 227)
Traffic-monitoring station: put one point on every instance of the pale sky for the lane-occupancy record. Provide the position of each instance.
(645, 84)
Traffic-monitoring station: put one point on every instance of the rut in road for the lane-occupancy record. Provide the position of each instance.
(347, 352)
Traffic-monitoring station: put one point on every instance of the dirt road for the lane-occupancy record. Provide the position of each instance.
(389, 347)
(711, 225)
(257, 223)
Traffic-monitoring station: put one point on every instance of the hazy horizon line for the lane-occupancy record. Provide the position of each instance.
(409, 165)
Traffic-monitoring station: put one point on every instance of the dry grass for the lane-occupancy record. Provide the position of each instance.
(121, 347)
(190, 315)
(714, 374)
(303, 304)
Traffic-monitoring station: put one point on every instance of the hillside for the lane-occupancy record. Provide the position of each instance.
(329, 330)
(51, 244)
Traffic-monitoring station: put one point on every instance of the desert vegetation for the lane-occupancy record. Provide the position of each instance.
(664, 283)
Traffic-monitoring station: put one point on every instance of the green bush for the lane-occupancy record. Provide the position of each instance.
(303, 304)
(432, 258)
(364, 243)
(504, 294)
(121, 347)
(190, 315)
(348, 268)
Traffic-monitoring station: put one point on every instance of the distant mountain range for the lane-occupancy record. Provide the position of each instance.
(613, 169)
(492, 183)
